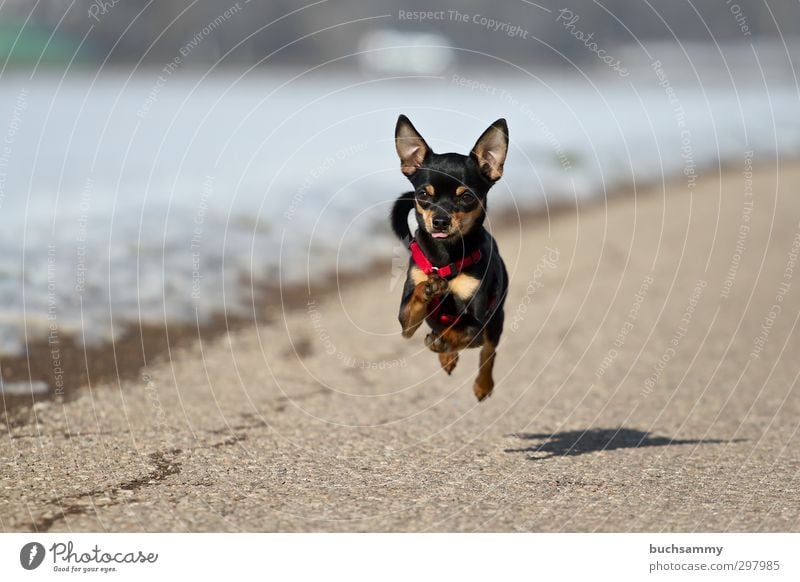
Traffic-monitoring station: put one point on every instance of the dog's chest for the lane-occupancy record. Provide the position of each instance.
(462, 285)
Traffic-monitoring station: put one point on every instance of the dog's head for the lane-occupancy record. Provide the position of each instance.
(450, 189)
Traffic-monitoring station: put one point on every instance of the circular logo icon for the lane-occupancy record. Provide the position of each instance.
(31, 555)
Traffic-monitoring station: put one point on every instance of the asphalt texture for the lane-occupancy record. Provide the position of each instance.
(646, 381)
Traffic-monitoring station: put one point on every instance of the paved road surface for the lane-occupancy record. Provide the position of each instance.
(634, 393)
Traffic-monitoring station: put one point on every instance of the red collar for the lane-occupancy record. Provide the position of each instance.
(450, 270)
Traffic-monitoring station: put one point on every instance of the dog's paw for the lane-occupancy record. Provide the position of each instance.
(437, 343)
(483, 389)
(435, 286)
(448, 360)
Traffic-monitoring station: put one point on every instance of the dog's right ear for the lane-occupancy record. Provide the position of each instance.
(411, 148)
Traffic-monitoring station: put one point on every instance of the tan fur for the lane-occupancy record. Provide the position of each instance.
(427, 217)
(416, 308)
(411, 148)
(464, 286)
(448, 361)
(491, 150)
(484, 383)
(418, 276)
(456, 339)
(464, 221)
(415, 311)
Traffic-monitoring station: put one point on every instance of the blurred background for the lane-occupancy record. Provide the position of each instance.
(162, 163)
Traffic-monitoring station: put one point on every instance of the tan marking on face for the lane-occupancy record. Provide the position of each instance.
(418, 276)
(460, 190)
(427, 217)
(464, 286)
(464, 221)
(429, 189)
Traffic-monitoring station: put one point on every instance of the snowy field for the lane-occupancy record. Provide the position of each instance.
(164, 197)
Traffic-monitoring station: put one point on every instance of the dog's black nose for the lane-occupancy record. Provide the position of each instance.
(441, 222)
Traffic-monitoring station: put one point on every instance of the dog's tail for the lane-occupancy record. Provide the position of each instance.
(402, 206)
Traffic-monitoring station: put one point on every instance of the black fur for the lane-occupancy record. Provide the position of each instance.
(399, 217)
(451, 188)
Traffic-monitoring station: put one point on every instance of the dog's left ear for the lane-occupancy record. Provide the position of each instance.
(490, 150)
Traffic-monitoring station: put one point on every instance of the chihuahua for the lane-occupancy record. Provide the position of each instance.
(456, 280)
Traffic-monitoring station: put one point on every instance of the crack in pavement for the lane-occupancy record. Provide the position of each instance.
(163, 467)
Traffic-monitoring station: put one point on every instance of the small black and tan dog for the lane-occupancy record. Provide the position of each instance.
(456, 280)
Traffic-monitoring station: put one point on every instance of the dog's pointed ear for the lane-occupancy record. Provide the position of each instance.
(411, 147)
(490, 150)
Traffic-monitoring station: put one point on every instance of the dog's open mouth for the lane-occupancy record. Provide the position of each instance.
(440, 234)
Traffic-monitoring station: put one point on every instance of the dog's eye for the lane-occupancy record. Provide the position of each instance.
(424, 194)
(467, 198)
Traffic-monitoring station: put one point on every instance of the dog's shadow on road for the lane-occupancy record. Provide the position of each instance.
(579, 442)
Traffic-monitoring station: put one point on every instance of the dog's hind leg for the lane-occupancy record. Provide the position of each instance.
(448, 360)
(484, 383)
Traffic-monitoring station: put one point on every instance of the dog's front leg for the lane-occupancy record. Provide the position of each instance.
(414, 307)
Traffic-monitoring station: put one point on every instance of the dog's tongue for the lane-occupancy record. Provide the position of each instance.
(439, 235)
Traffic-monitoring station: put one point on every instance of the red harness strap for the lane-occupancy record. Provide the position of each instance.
(451, 270)
(447, 271)
(447, 319)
